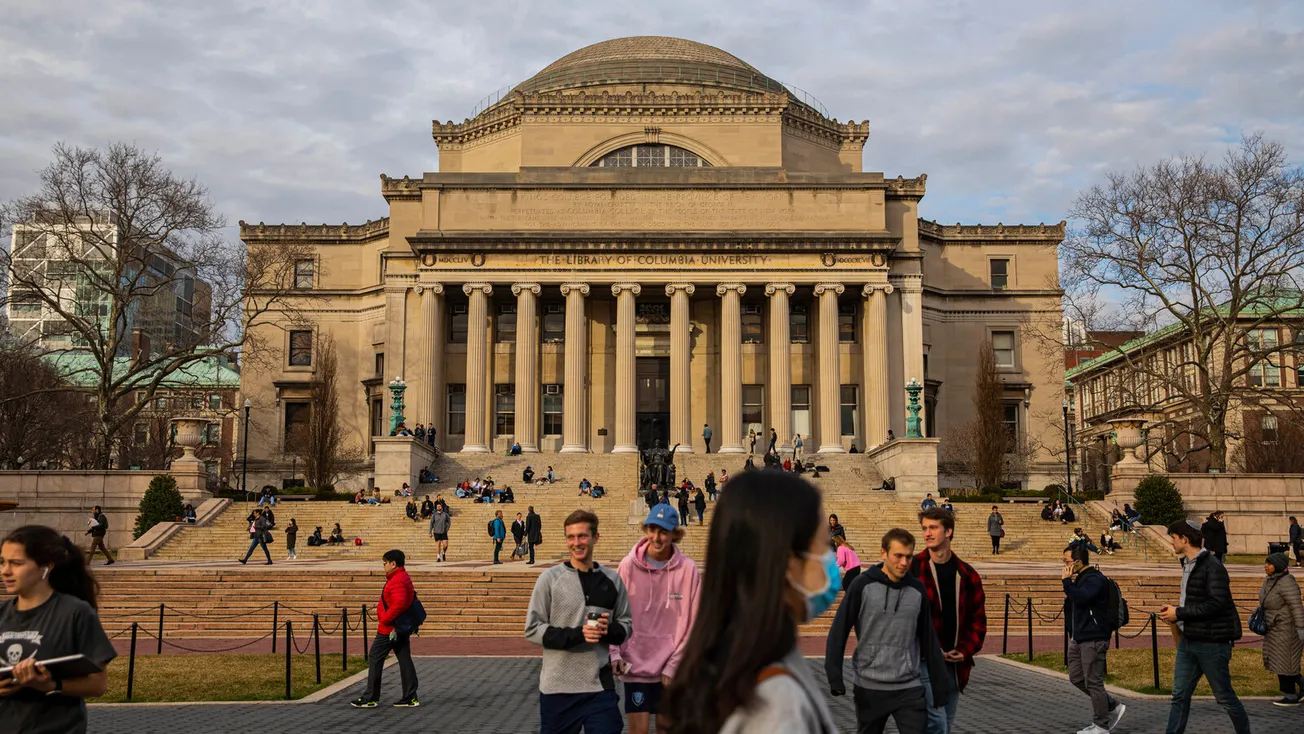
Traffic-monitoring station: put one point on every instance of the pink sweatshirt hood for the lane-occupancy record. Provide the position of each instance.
(664, 603)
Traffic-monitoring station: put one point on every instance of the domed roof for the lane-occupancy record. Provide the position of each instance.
(649, 59)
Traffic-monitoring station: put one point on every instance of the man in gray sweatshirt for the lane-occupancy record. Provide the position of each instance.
(576, 611)
(894, 637)
(440, 521)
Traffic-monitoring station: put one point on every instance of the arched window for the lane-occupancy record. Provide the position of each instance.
(651, 156)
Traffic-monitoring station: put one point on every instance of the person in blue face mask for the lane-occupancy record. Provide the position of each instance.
(894, 636)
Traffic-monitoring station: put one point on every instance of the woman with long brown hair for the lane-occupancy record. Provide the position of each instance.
(770, 569)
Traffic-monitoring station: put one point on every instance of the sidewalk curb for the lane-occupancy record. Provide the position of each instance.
(1113, 690)
(315, 697)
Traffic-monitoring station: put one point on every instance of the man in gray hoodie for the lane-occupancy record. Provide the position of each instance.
(577, 610)
(894, 637)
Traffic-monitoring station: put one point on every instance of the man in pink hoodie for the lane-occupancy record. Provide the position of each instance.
(663, 586)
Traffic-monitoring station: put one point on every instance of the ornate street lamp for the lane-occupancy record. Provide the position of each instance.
(913, 388)
(397, 387)
(244, 460)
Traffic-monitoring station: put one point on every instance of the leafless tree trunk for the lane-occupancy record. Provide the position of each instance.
(36, 431)
(319, 443)
(1205, 254)
(111, 241)
(991, 441)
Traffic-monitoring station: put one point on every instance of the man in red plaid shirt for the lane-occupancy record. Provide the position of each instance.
(955, 594)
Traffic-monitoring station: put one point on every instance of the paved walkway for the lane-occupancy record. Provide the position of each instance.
(499, 695)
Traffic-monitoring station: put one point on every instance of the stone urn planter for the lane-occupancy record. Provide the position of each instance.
(1127, 432)
(189, 433)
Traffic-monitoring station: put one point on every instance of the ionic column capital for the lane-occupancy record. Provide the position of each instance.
(870, 288)
(435, 288)
(772, 288)
(724, 288)
(618, 288)
(485, 288)
(837, 288)
(534, 288)
(582, 288)
(687, 288)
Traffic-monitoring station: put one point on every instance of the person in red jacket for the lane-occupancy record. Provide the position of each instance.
(955, 594)
(394, 602)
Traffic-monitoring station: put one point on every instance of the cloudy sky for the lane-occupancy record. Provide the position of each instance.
(289, 111)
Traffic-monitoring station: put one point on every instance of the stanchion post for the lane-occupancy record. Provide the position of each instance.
(131, 661)
(316, 643)
(289, 647)
(1065, 614)
(344, 639)
(160, 629)
(276, 621)
(1005, 628)
(1030, 629)
(365, 649)
(1154, 648)
(1115, 639)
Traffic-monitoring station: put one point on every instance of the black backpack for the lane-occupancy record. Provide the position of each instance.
(1116, 616)
(491, 528)
(410, 621)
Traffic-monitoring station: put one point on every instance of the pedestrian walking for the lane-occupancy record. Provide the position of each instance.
(742, 670)
(394, 627)
(258, 534)
(706, 436)
(663, 587)
(1087, 592)
(1297, 541)
(1214, 531)
(1208, 624)
(577, 611)
(996, 529)
(888, 608)
(848, 560)
(709, 483)
(440, 522)
(774, 442)
(51, 614)
(498, 532)
(958, 607)
(98, 528)
(699, 504)
(291, 538)
(682, 502)
(533, 531)
(835, 529)
(1283, 612)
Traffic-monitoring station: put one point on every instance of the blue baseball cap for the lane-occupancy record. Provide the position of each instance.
(663, 516)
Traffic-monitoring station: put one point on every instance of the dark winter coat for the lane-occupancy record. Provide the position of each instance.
(1284, 613)
(1209, 615)
(1215, 535)
(1088, 598)
(533, 529)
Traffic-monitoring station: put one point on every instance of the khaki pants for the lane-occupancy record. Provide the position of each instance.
(98, 542)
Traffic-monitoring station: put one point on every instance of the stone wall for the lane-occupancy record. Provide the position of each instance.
(1256, 505)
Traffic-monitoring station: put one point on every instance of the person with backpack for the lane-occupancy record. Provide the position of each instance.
(1088, 593)
(497, 532)
(398, 615)
(98, 529)
(259, 534)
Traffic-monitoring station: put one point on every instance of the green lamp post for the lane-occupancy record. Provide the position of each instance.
(397, 387)
(913, 388)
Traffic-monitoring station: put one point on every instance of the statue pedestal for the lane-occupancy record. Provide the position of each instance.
(911, 463)
(400, 459)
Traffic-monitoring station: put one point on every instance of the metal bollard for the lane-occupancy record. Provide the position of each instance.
(289, 645)
(1030, 629)
(160, 629)
(366, 650)
(1005, 627)
(276, 621)
(131, 661)
(1154, 648)
(1067, 630)
(316, 643)
(344, 639)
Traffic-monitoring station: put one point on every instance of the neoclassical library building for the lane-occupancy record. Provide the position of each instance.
(647, 237)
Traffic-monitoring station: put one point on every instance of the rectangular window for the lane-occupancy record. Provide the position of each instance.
(140, 434)
(300, 348)
(504, 409)
(303, 274)
(753, 408)
(1000, 273)
(505, 324)
(1268, 428)
(800, 400)
(1265, 372)
(847, 406)
(1003, 345)
(457, 324)
(380, 364)
(799, 324)
(213, 433)
(752, 324)
(296, 420)
(552, 402)
(456, 409)
(554, 322)
(214, 401)
(847, 323)
(1011, 420)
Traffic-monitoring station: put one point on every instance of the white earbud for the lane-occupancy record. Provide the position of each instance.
(46, 574)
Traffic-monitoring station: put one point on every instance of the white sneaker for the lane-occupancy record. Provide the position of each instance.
(1093, 729)
(1116, 715)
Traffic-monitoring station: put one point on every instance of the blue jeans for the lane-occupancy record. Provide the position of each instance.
(1209, 659)
(567, 713)
(940, 721)
(254, 542)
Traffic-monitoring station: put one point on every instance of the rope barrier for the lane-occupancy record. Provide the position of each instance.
(197, 615)
(338, 624)
(197, 649)
(1058, 614)
(1144, 627)
(306, 645)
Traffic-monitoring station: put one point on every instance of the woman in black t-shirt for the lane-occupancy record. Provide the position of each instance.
(52, 614)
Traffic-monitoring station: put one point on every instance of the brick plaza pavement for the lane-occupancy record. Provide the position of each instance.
(499, 695)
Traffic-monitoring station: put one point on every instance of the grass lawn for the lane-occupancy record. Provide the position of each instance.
(1132, 669)
(222, 677)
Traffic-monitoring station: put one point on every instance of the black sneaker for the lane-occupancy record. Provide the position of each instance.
(362, 703)
(407, 703)
(1287, 701)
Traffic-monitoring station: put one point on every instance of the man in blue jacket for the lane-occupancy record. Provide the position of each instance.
(1087, 591)
(498, 534)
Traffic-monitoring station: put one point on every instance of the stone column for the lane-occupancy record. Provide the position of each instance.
(912, 333)
(874, 349)
(731, 367)
(527, 365)
(830, 420)
(477, 371)
(681, 344)
(574, 438)
(425, 382)
(435, 353)
(780, 367)
(626, 378)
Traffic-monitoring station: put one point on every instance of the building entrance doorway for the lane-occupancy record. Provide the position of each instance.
(652, 401)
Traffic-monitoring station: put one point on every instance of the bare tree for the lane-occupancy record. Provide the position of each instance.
(113, 241)
(983, 448)
(319, 442)
(39, 430)
(1207, 254)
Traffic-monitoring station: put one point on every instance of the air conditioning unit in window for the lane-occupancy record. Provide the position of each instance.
(552, 389)
(752, 308)
(554, 308)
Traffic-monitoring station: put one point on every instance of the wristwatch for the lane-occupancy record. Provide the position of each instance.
(58, 688)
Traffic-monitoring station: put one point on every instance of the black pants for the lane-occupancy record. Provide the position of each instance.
(1291, 685)
(907, 707)
(531, 552)
(380, 649)
(498, 548)
(849, 576)
(996, 544)
(708, 445)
